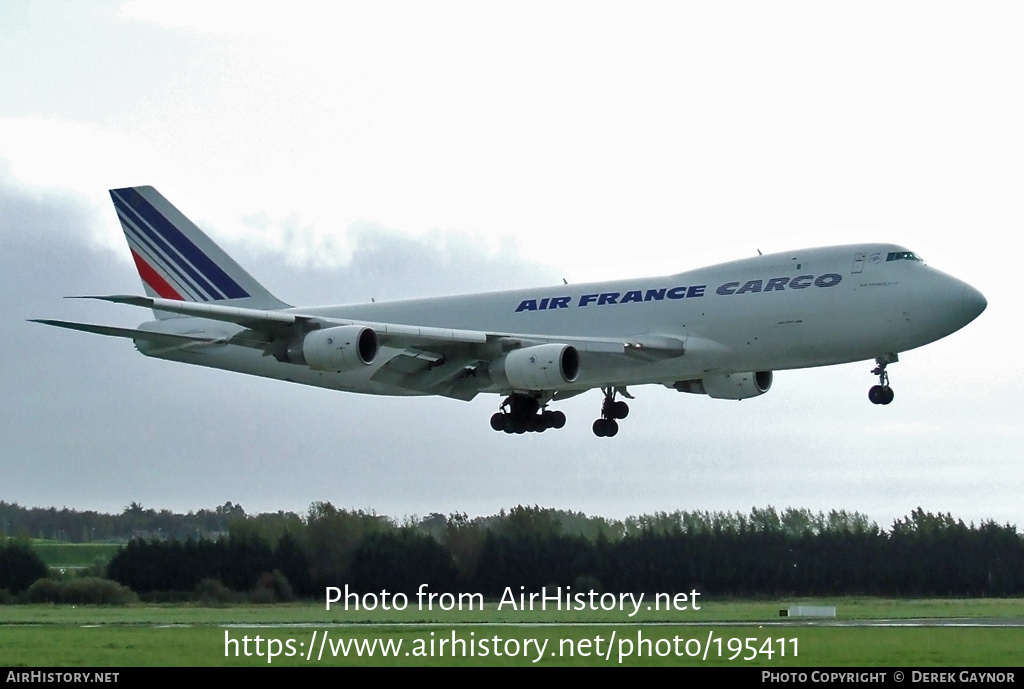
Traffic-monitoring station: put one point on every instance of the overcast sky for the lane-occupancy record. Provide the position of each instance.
(348, 151)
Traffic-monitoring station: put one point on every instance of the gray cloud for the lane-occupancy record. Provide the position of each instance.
(385, 264)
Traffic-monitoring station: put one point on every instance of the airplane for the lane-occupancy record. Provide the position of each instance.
(720, 331)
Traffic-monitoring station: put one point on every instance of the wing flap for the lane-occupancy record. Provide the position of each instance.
(431, 373)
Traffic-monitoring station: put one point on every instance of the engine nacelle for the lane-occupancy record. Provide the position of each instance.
(542, 367)
(734, 386)
(343, 348)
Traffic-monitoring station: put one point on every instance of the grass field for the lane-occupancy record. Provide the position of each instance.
(73, 555)
(202, 636)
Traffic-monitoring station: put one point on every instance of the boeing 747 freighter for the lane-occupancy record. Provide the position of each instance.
(719, 331)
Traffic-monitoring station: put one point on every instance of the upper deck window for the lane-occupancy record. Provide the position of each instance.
(902, 256)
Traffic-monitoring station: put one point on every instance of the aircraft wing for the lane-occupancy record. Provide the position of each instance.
(400, 335)
(440, 361)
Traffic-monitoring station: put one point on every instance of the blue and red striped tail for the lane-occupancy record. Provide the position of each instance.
(176, 260)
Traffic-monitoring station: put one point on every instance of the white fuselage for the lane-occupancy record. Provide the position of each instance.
(805, 308)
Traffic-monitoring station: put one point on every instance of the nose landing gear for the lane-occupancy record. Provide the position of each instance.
(882, 393)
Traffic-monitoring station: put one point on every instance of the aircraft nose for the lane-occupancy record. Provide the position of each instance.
(972, 303)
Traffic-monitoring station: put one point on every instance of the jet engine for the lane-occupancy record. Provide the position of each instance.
(541, 367)
(733, 386)
(343, 348)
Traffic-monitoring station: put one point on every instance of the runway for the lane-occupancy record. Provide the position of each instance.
(966, 622)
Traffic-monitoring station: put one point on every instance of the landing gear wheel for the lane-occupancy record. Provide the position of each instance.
(605, 428)
(553, 419)
(620, 410)
(522, 413)
(881, 395)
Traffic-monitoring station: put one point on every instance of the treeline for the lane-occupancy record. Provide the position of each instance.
(794, 552)
(136, 521)
(73, 526)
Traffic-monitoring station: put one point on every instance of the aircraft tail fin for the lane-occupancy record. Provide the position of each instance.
(176, 260)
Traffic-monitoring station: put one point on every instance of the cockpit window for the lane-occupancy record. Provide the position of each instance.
(902, 256)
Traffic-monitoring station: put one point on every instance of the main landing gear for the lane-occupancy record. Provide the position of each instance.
(882, 393)
(607, 426)
(525, 414)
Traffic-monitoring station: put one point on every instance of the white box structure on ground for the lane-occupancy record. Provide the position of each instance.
(808, 611)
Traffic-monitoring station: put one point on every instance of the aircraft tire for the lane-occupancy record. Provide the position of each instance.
(605, 428)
